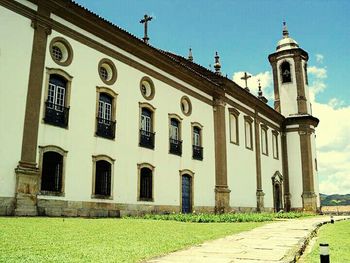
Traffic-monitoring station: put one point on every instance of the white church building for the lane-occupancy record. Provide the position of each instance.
(96, 122)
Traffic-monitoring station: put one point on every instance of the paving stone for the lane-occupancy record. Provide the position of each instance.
(274, 242)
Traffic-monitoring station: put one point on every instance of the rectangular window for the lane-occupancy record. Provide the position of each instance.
(248, 133)
(275, 144)
(234, 128)
(196, 139)
(146, 123)
(264, 143)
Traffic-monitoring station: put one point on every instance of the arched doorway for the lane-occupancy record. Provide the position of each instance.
(277, 184)
(186, 194)
(277, 197)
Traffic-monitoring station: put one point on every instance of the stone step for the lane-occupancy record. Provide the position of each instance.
(26, 211)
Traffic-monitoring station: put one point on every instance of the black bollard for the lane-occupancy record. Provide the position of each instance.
(332, 220)
(324, 253)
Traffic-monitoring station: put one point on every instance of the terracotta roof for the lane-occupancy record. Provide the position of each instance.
(174, 59)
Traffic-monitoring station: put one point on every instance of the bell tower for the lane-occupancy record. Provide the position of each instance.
(289, 69)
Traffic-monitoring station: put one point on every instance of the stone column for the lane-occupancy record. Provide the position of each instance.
(308, 196)
(222, 192)
(259, 191)
(27, 173)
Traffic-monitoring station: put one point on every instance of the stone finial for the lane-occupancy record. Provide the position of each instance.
(190, 56)
(260, 94)
(285, 32)
(217, 65)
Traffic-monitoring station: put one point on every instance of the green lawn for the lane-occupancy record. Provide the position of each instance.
(337, 235)
(102, 240)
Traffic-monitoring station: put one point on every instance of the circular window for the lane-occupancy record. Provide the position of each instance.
(61, 51)
(186, 106)
(107, 71)
(147, 88)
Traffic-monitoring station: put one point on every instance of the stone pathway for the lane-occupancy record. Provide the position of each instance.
(281, 241)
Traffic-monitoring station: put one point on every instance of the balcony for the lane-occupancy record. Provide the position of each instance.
(105, 128)
(175, 147)
(146, 139)
(197, 152)
(56, 115)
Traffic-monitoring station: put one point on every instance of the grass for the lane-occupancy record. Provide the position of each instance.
(337, 235)
(227, 218)
(102, 240)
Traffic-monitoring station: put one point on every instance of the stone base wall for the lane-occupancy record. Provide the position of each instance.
(48, 207)
(7, 206)
(58, 208)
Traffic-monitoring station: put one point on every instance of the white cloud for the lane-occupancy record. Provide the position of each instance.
(319, 58)
(333, 137)
(320, 73)
(265, 81)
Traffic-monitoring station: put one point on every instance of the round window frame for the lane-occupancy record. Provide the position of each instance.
(151, 84)
(110, 63)
(186, 99)
(69, 50)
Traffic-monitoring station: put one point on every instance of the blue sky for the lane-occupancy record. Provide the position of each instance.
(245, 33)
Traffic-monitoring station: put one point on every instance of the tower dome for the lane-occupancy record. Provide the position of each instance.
(286, 42)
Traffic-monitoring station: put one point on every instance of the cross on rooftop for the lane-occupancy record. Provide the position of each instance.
(245, 78)
(144, 21)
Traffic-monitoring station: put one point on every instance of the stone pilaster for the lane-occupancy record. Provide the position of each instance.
(286, 190)
(27, 173)
(277, 103)
(309, 201)
(259, 191)
(301, 97)
(308, 196)
(222, 192)
(260, 206)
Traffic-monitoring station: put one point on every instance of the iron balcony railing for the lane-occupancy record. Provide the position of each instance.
(147, 139)
(56, 115)
(105, 128)
(175, 146)
(197, 152)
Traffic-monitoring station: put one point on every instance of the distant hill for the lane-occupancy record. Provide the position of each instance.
(328, 200)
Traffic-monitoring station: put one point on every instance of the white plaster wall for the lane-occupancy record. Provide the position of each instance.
(295, 170)
(288, 91)
(15, 55)
(241, 167)
(269, 166)
(315, 172)
(81, 144)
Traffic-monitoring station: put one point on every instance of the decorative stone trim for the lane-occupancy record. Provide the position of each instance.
(63, 153)
(191, 174)
(147, 88)
(248, 120)
(113, 95)
(65, 49)
(139, 167)
(275, 150)
(110, 69)
(235, 114)
(186, 106)
(111, 161)
(264, 128)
